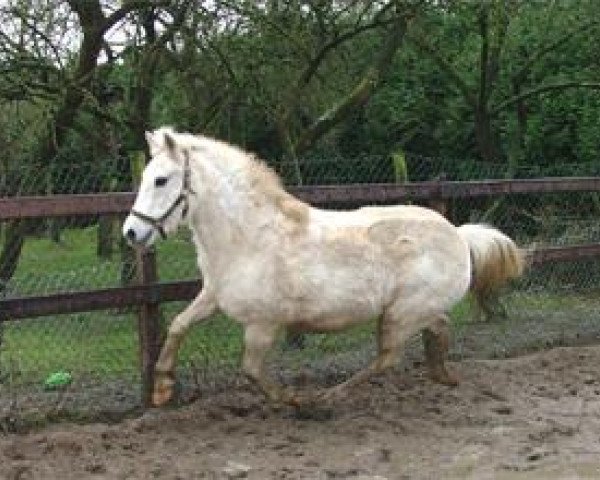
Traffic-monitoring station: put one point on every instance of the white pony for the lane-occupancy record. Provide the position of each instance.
(270, 261)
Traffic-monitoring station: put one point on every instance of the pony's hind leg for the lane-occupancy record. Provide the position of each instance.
(164, 373)
(436, 341)
(392, 333)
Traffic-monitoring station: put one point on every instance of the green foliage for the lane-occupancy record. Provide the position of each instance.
(235, 79)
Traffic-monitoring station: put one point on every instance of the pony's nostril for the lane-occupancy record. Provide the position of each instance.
(130, 234)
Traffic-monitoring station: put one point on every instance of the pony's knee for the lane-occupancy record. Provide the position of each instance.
(257, 342)
(179, 326)
(259, 337)
(200, 309)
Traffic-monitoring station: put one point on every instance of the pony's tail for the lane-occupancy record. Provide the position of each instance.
(495, 258)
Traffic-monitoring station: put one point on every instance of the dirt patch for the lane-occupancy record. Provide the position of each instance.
(533, 417)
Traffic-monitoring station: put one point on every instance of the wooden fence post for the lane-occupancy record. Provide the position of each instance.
(149, 328)
(149, 325)
(441, 205)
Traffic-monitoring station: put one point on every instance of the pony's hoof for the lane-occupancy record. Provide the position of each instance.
(164, 389)
(331, 394)
(292, 398)
(444, 378)
(162, 397)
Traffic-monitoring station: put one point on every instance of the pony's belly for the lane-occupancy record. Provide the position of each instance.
(327, 325)
(323, 317)
(310, 315)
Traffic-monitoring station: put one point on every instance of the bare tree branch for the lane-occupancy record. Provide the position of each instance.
(320, 56)
(361, 93)
(541, 89)
(129, 7)
(446, 67)
(37, 32)
(539, 54)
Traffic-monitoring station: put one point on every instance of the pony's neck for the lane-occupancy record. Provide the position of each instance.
(239, 203)
(228, 215)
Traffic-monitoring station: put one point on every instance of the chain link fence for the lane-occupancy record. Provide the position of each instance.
(555, 303)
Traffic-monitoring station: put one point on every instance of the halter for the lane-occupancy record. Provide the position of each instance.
(186, 189)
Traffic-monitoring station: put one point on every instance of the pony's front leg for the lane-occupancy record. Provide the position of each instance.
(258, 340)
(201, 308)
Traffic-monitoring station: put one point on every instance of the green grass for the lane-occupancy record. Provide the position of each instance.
(72, 264)
(104, 344)
(100, 344)
(91, 343)
(40, 255)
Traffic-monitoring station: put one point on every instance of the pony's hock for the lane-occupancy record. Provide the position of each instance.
(271, 261)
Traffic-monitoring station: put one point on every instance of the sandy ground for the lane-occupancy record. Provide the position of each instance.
(530, 417)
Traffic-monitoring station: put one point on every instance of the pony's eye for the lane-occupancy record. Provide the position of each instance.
(160, 181)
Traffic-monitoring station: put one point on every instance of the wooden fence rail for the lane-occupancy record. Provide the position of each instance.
(149, 293)
(319, 195)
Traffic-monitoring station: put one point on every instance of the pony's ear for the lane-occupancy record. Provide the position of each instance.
(164, 138)
(170, 142)
(175, 151)
(153, 144)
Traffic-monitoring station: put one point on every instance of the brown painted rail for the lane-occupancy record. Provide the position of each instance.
(101, 299)
(60, 205)
(390, 192)
(355, 194)
(568, 253)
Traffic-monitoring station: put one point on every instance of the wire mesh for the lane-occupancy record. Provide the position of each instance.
(553, 303)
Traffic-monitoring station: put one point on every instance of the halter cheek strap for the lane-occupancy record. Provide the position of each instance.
(158, 223)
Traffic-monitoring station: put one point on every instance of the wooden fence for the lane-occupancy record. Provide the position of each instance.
(149, 293)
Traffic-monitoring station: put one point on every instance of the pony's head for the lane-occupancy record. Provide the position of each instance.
(162, 200)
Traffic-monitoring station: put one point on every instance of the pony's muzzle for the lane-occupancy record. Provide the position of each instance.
(136, 235)
(130, 235)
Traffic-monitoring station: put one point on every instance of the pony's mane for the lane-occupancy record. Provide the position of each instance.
(266, 181)
(262, 179)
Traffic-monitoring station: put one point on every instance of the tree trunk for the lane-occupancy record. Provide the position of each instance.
(108, 148)
(13, 245)
(487, 143)
(92, 20)
(521, 112)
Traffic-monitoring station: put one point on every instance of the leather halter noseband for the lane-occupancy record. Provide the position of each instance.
(186, 189)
